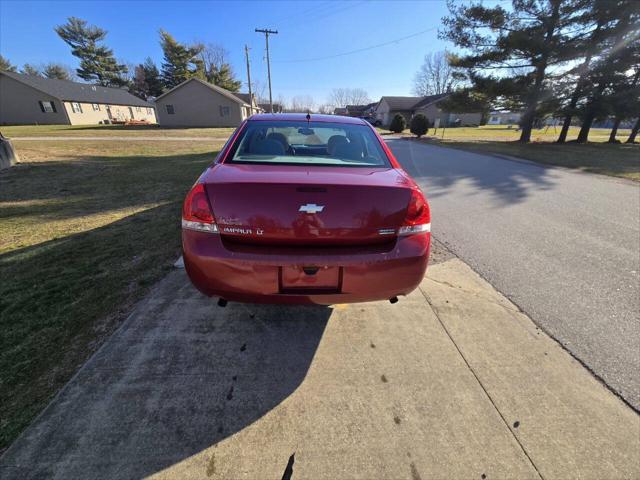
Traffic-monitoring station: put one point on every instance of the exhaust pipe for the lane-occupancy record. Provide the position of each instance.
(393, 300)
(222, 302)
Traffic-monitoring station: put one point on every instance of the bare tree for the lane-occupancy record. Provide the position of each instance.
(302, 103)
(213, 56)
(435, 76)
(325, 109)
(341, 97)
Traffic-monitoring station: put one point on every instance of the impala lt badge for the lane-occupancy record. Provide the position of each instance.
(311, 208)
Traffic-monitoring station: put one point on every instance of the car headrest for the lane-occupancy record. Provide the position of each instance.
(334, 141)
(267, 147)
(280, 138)
(349, 151)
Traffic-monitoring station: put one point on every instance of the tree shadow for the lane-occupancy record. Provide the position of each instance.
(440, 170)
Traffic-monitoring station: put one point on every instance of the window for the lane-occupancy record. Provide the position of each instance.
(76, 107)
(96, 107)
(149, 111)
(170, 109)
(224, 111)
(138, 109)
(309, 143)
(47, 107)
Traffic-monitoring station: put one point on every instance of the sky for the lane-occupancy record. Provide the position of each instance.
(308, 31)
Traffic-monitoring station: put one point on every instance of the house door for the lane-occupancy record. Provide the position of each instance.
(131, 112)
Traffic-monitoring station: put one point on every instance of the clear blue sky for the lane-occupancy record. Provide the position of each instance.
(308, 30)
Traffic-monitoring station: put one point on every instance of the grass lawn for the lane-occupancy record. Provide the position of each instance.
(85, 230)
(17, 131)
(597, 156)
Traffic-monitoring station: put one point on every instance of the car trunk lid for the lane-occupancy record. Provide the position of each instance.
(300, 205)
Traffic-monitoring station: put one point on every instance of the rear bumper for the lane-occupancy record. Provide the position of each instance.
(251, 274)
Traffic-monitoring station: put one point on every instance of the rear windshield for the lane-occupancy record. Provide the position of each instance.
(309, 143)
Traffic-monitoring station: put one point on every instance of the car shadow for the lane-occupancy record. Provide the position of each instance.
(180, 376)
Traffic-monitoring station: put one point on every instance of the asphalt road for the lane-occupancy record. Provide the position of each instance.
(563, 245)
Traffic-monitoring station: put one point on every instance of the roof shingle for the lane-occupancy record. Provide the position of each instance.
(78, 92)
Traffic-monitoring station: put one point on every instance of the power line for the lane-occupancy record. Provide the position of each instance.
(351, 52)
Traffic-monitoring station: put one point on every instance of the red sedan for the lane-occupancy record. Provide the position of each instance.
(305, 209)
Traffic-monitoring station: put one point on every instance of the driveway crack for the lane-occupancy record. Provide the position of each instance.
(504, 420)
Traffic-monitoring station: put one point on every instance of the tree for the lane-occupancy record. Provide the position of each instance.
(614, 68)
(146, 82)
(224, 78)
(302, 104)
(624, 102)
(419, 125)
(28, 69)
(436, 75)
(152, 78)
(341, 97)
(181, 62)
(516, 54)
(57, 71)
(6, 66)
(216, 68)
(97, 63)
(576, 79)
(398, 123)
(634, 132)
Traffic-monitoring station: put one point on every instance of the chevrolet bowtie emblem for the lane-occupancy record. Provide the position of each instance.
(311, 208)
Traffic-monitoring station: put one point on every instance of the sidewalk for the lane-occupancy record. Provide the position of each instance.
(451, 382)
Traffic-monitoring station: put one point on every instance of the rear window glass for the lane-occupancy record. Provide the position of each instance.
(309, 143)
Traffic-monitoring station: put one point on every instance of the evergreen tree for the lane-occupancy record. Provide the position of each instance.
(57, 71)
(419, 125)
(574, 82)
(224, 78)
(620, 56)
(30, 70)
(624, 102)
(511, 52)
(398, 123)
(152, 78)
(181, 62)
(6, 66)
(97, 63)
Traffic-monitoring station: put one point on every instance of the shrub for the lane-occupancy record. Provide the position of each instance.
(398, 124)
(419, 125)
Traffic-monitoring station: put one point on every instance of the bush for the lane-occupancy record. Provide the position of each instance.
(398, 124)
(419, 125)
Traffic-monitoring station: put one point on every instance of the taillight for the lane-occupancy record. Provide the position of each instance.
(196, 211)
(418, 218)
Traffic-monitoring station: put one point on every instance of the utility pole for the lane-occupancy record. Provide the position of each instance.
(246, 52)
(266, 32)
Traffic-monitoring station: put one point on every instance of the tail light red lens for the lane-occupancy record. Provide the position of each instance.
(418, 218)
(196, 211)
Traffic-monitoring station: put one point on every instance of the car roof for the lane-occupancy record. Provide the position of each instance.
(302, 117)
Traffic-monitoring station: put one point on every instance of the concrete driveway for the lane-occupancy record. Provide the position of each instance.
(452, 382)
(562, 245)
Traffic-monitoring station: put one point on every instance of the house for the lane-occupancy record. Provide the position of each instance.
(504, 118)
(31, 99)
(196, 103)
(388, 107)
(277, 107)
(250, 101)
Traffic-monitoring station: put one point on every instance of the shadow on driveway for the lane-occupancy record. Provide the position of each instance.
(179, 377)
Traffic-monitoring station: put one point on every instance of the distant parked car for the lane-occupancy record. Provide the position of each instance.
(373, 121)
(305, 209)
